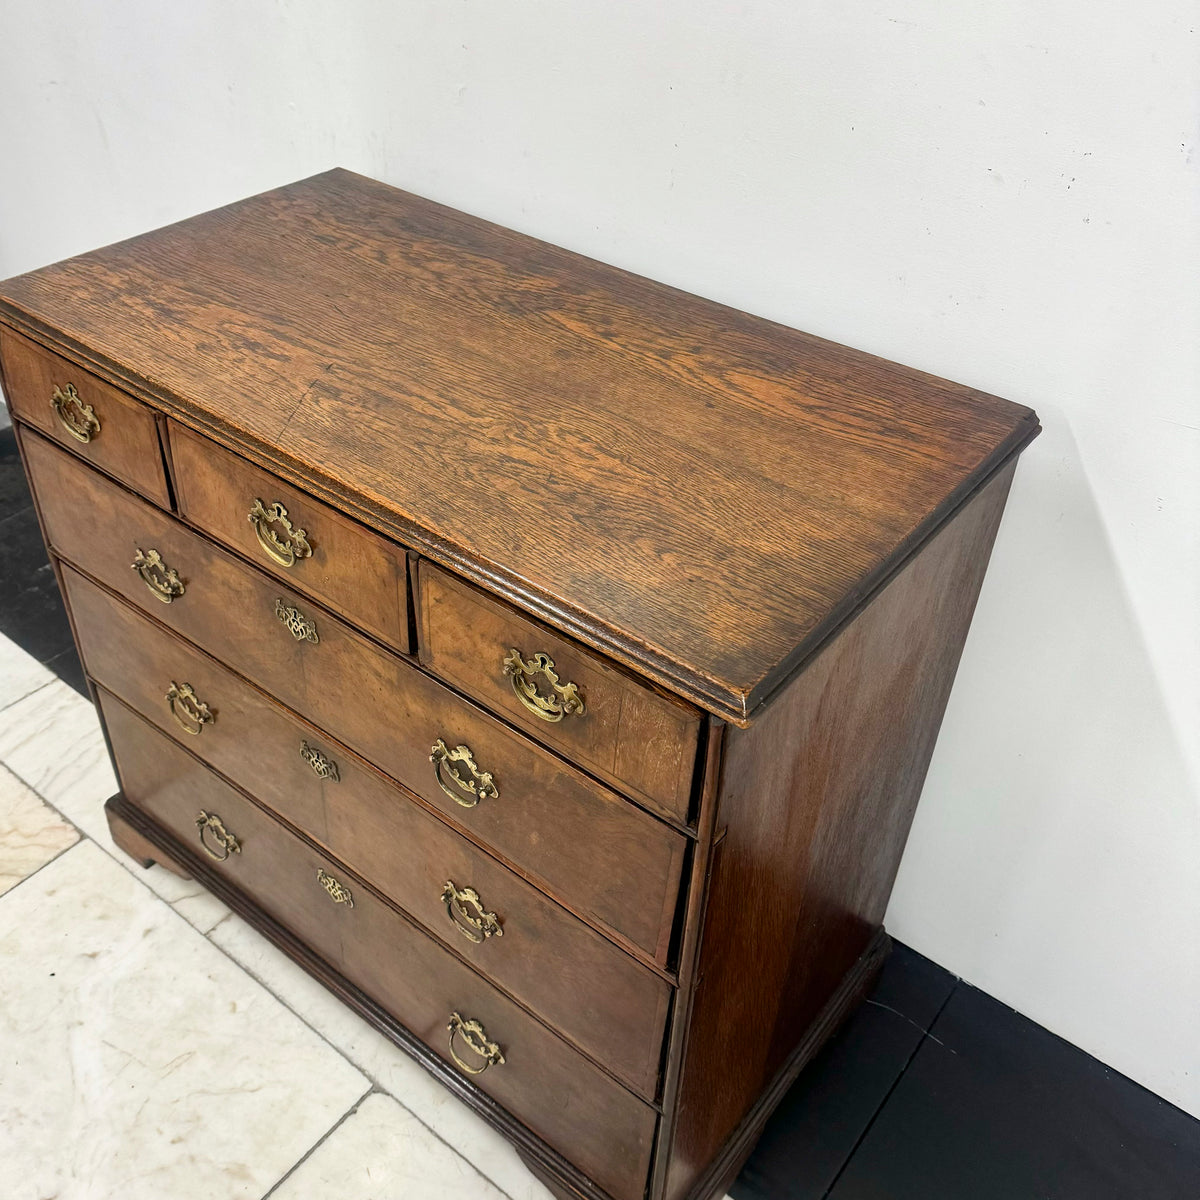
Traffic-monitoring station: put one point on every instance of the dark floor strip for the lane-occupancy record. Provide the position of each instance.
(994, 1107)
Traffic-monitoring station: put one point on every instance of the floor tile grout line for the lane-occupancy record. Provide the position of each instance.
(84, 836)
(862, 1137)
(375, 1085)
(372, 1087)
(32, 691)
(42, 866)
(120, 859)
(319, 1142)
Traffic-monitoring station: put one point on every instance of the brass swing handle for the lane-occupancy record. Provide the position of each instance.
(281, 541)
(217, 841)
(77, 418)
(163, 581)
(459, 776)
(476, 1039)
(190, 712)
(562, 700)
(476, 926)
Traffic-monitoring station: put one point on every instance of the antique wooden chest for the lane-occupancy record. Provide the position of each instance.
(546, 659)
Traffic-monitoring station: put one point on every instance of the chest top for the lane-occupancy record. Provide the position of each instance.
(703, 495)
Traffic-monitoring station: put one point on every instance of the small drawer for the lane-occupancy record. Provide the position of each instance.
(312, 547)
(577, 981)
(494, 1043)
(593, 851)
(564, 695)
(86, 415)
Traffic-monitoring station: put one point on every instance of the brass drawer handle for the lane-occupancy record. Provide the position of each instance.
(163, 581)
(475, 927)
(465, 789)
(77, 418)
(323, 767)
(338, 892)
(565, 700)
(286, 547)
(296, 623)
(217, 841)
(190, 712)
(477, 1040)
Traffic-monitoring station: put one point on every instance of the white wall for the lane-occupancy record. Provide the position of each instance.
(1004, 193)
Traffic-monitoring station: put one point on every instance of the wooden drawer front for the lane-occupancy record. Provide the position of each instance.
(597, 854)
(626, 733)
(553, 1089)
(595, 994)
(122, 434)
(356, 572)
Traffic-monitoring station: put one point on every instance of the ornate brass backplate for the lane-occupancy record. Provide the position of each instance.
(282, 542)
(563, 699)
(338, 892)
(163, 581)
(77, 418)
(296, 623)
(190, 712)
(217, 841)
(468, 915)
(459, 776)
(476, 1039)
(322, 765)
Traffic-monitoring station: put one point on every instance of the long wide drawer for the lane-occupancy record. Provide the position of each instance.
(591, 849)
(595, 994)
(295, 537)
(571, 1104)
(83, 413)
(566, 696)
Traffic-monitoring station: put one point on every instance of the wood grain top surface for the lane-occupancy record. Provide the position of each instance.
(701, 494)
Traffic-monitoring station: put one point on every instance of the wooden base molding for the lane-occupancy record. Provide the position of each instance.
(139, 847)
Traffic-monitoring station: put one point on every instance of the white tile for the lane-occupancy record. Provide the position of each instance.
(31, 833)
(389, 1067)
(52, 741)
(138, 1061)
(382, 1152)
(20, 673)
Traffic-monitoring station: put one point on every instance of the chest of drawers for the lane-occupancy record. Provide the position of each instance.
(547, 660)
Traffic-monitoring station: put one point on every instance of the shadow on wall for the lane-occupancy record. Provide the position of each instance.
(1059, 825)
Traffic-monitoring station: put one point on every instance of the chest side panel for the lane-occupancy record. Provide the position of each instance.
(816, 802)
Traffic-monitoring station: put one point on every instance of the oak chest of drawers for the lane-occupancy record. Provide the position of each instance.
(547, 660)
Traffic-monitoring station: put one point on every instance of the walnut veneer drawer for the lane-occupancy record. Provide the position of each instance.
(600, 855)
(595, 713)
(314, 548)
(86, 415)
(596, 995)
(562, 1097)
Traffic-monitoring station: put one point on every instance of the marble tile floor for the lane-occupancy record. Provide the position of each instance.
(154, 1047)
